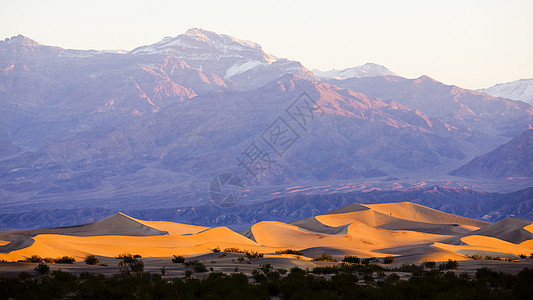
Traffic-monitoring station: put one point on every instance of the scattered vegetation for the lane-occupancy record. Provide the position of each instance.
(267, 283)
(216, 250)
(91, 260)
(290, 251)
(59, 260)
(324, 257)
(344, 281)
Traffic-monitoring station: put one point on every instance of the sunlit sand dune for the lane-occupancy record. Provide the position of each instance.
(411, 232)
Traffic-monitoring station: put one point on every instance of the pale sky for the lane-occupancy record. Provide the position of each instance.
(473, 44)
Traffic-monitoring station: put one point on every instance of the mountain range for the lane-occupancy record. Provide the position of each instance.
(113, 129)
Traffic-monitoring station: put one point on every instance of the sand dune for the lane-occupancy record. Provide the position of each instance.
(419, 213)
(412, 232)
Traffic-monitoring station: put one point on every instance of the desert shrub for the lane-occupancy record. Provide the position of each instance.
(64, 260)
(216, 250)
(266, 268)
(429, 264)
(324, 257)
(522, 256)
(388, 259)
(163, 271)
(369, 260)
(368, 278)
(449, 265)
(351, 259)
(253, 255)
(188, 273)
(34, 259)
(127, 255)
(42, 269)
(258, 276)
(91, 260)
(240, 259)
(196, 265)
(178, 259)
(326, 270)
(234, 250)
(392, 279)
(131, 264)
(476, 257)
(414, 269)
(289, 251)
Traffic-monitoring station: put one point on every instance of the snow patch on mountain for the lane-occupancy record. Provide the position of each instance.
(366, 70)
(516, 90)
(242, 67)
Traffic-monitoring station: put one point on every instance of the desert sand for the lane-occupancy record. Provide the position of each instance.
(410, 232)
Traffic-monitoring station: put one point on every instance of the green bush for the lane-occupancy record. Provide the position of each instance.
(91, 260)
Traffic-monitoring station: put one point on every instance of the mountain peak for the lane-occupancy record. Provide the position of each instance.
(21, 40)
(366, 70)
(521, 89)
